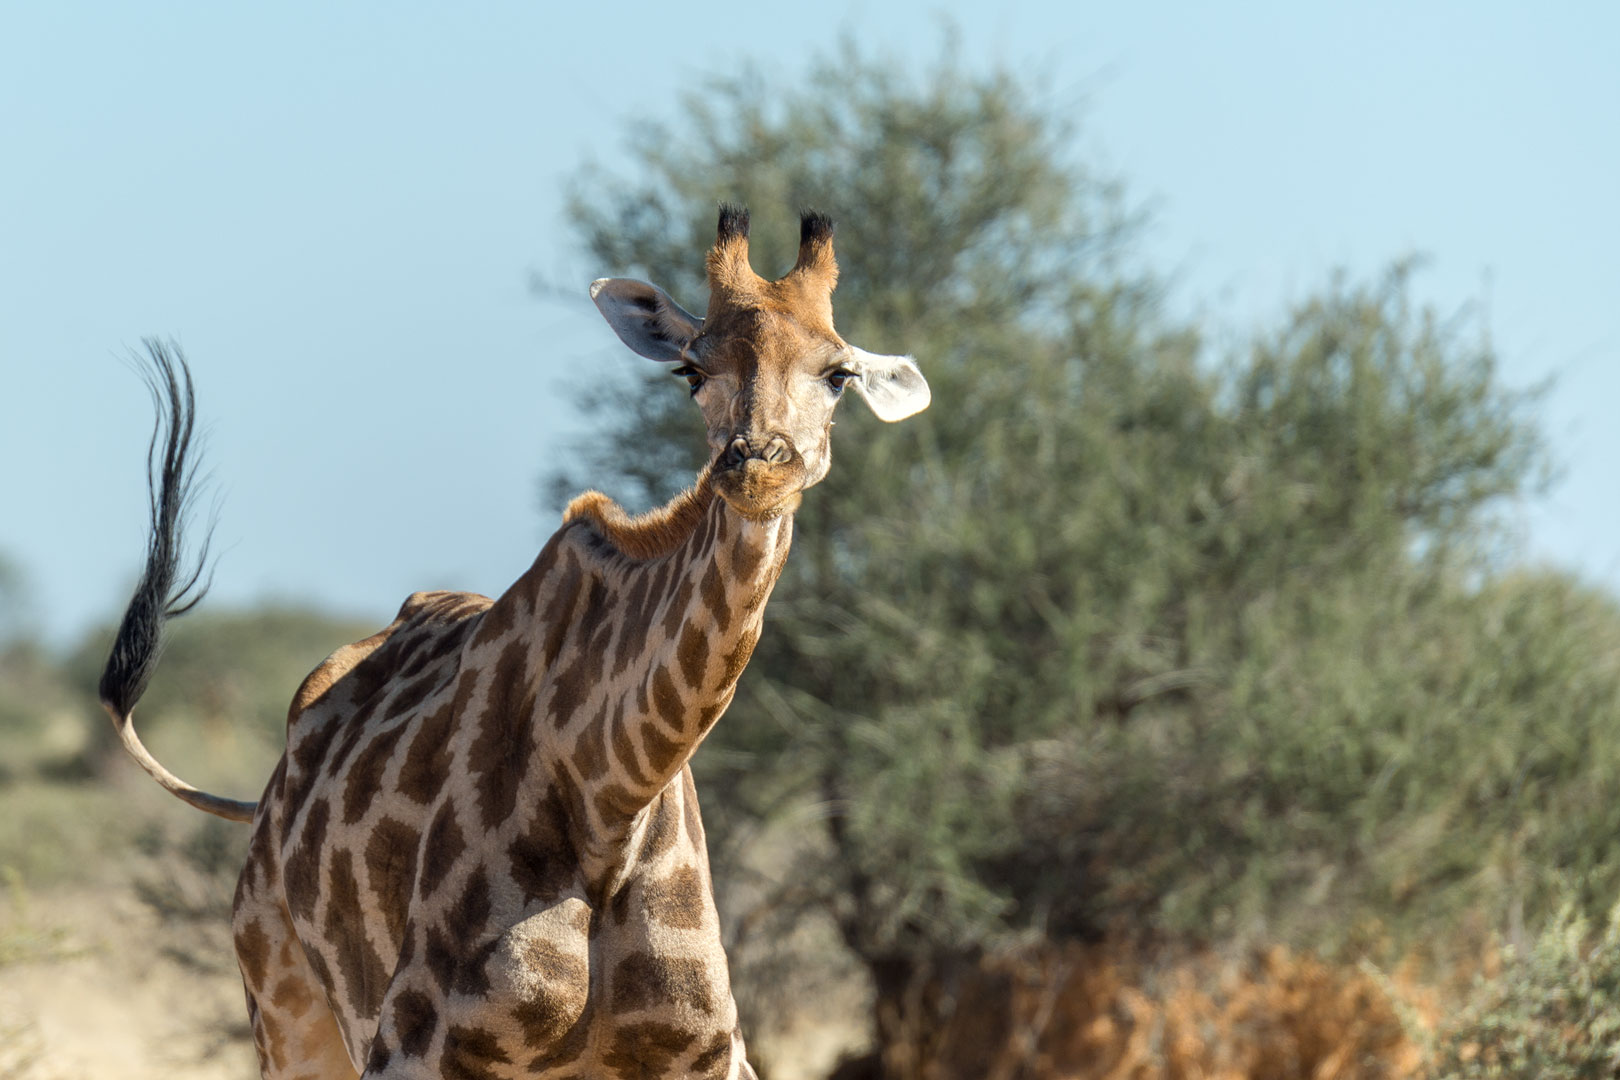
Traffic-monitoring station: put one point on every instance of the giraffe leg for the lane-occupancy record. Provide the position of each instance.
(294, 1031)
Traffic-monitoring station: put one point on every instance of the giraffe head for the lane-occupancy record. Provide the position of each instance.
(764, 364)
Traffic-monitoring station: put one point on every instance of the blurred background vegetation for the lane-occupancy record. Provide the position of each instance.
(1152, 705)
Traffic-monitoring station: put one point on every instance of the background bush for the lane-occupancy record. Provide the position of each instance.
(1126, 635)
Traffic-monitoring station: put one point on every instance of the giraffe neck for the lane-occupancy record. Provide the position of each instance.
(639, 630)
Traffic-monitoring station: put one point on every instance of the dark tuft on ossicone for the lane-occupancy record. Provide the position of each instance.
(733, 222)
(814, 226)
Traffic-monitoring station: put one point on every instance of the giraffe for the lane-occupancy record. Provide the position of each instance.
(481, 855)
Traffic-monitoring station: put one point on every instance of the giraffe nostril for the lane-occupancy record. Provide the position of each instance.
(777, 451)
(737, 452)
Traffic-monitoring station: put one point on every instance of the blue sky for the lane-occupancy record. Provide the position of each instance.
(336, 208)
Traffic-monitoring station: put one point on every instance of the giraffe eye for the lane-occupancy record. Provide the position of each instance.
(838, 378)
(694, 378)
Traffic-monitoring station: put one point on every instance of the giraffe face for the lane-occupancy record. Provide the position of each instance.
(765, 365)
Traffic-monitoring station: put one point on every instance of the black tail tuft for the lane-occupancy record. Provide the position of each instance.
(166, 588)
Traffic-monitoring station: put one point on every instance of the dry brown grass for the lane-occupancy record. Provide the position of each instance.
(1072, 1012)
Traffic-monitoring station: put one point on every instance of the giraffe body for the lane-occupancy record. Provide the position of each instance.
(454, 915)
(481, 857)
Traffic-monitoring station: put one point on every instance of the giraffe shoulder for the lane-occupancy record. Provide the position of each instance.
(424, 615)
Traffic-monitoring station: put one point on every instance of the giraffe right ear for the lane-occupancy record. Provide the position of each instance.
(645, 318)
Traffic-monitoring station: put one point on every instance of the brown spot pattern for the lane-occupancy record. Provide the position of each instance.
(589, 757)
(379, 1057)
(598, 605)
(301, 876)
(415, 1020)
(715, 1060)
(620, 907)
(661, 750)
(542, 862)
(693, 654)
(365, 773)
(745, 558)
(642, 981)
(317, 964)
(571, 689)
(427, 762)
(443, 847)
(737, 659)
(667, 699)
(556, 1003)
(275, 1041)
(558, 612)
(306, 755)
(468, 1054)
(440, 958)
(292, 995)
(253, 953)
(676, 900)
(391, 872)
(566, 1049)
(624, 750)
(689, 811)
(363, 973)
(465, 920)
(502, 737)
(633, 623)
(660, 582)
(714, 597)
(647, 1049)
(663, 830)
(675, 613)
(614, 801)
(502, 616)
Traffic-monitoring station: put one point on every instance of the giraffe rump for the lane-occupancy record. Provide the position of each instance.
(167, 587)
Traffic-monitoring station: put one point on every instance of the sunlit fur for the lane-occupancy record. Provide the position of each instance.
(767, 349)
(481, 854)
(645, 536)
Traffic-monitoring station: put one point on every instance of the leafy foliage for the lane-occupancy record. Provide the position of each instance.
(1118, 636)
(1553, 1014)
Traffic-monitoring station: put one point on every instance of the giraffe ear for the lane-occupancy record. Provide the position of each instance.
(892, 385)
(645, 318)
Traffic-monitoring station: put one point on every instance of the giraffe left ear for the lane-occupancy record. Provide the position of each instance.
(892, 385)
(645, 318)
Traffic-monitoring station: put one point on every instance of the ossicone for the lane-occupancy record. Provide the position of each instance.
(731, 279)
(816, 261)
(733, 224)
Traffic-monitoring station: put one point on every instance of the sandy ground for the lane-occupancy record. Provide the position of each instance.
(100, 990)
(97, 987)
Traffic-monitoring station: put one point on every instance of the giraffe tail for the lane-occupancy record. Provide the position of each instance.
(161, 594)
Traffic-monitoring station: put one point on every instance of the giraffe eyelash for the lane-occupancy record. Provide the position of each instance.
(694, 378)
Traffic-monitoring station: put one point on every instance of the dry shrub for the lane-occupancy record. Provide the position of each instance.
(1072, 1012)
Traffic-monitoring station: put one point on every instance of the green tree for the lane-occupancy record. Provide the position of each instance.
(1118, 637)
(1554, 1014)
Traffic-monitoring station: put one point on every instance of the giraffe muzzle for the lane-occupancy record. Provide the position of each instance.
(757, 476)
(775, 451)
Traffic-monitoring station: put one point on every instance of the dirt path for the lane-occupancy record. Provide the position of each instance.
(99, 990)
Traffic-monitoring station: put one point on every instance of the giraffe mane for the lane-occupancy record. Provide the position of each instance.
(651, 535)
